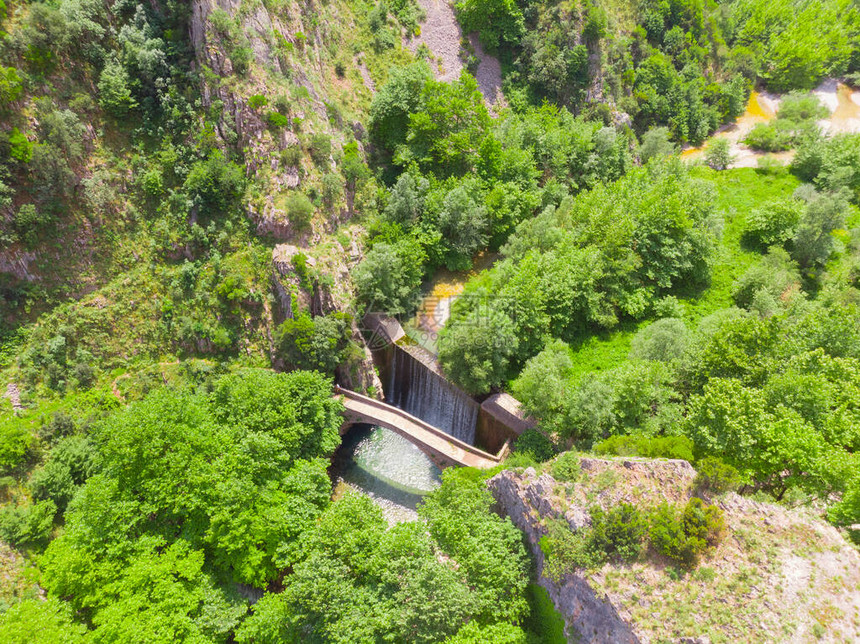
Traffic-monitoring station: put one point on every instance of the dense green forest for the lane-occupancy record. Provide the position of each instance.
(167, 425)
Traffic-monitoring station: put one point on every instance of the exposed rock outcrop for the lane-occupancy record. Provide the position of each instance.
(778, 575)
(326, 287)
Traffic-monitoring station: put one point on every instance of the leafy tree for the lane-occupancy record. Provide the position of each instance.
(778, 449)
(487, 548)
(543, 386)
(447, 129)
(656, 143)
(114, 93)
(402, 95)
(314, 342)
(476, 351)
(36, 621)
(389, 277)
(718, 154)
(463, 224)
(406, 201)
(813, 243)
(496, 21)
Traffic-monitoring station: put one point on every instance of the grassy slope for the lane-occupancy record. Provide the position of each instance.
(738, 191)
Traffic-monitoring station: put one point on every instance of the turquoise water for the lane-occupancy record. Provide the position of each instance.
(388, 468)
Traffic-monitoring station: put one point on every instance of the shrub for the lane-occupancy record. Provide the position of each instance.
(276, 120)
(332, 188)
(314, 343)
(619, 533)
(665, 340)
(716, 477)
(718, 154)
(241, 58)
(28, 223)
(496, 21)
(14, 442)
(704, 522)
(801, 106)
(769, 137)
(20, 147)
(658, 447)
(774, 223)
(256, 101)
(319, 148)
(566, 467)
(299, 210)
(565, 550)
(684, 539)
(535, 444)
(291, 156)
(26, 525)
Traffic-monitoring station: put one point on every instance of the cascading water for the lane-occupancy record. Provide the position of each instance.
(416, 387)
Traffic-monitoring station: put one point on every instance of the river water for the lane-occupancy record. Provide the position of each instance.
(388, 468)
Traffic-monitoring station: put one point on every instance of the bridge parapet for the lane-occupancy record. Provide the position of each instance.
(433, 441)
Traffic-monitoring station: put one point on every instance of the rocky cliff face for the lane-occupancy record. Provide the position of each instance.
(328, 289)
(271, 74)
(779, 575)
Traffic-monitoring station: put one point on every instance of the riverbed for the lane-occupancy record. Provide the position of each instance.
(842, 101)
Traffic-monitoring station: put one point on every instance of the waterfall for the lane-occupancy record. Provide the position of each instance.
(416, 386)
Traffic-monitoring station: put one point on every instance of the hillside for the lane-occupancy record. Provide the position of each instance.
(777, 575)
(199, 202)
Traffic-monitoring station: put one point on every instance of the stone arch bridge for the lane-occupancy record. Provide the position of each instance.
(443, 448)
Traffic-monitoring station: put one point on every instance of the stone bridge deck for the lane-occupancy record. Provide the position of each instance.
(440, 446)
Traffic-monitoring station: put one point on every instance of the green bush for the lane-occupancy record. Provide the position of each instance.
(256, 101)
(565, 467)
(291, 156)
(27, 525)
(686, 537)
(769, 137)
(20, 147)
(29, 222)
(496, 21)
(773, 223)
(299, 210)
(716, 477)
(276, 120)
(319, 148)
(704, 522)
(565, 550)
(241, 57)
(14, 442)
(619, 533)
(535, 443)
(665, 340)
(718, 154)
(679, 447)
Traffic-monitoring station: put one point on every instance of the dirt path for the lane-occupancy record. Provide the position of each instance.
(441, 33)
